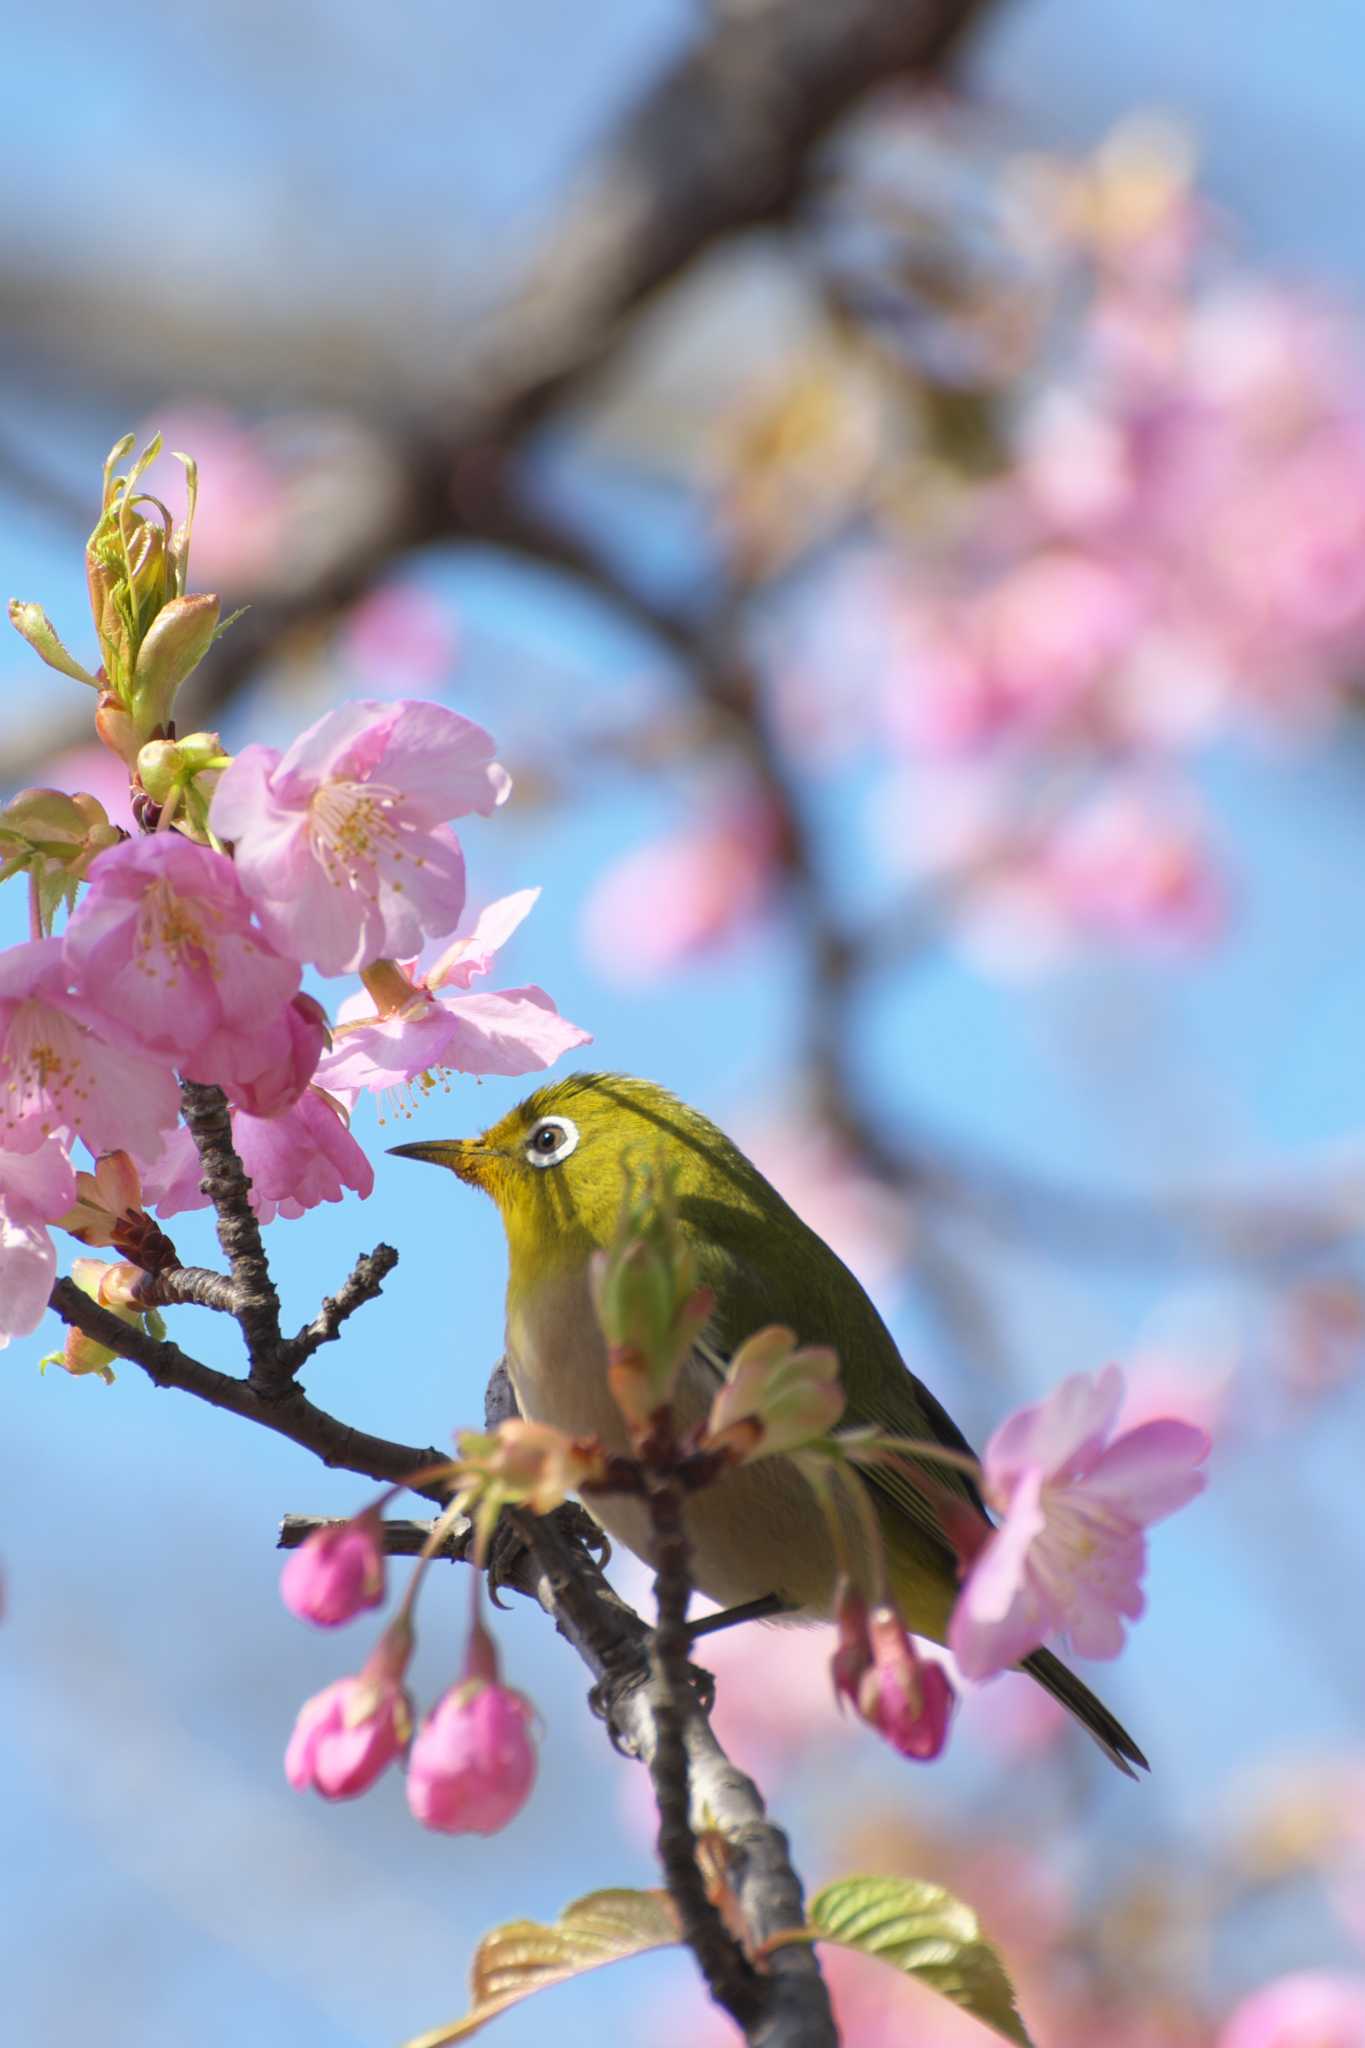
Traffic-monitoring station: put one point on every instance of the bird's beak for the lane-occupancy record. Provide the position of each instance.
(465, 1157)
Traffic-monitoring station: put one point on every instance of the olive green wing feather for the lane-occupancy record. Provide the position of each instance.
(760, 1276)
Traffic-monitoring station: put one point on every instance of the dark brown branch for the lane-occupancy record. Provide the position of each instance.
(730, 1978)
(397, 1538)
(191, 1284)
(256, 1304)
(364, 1283)
(613, 1642)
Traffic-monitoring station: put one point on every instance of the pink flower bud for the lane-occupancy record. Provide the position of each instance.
(473, 1763)
(896, 1691)
(904, 1697)
(347, 1735)
(337, 1573)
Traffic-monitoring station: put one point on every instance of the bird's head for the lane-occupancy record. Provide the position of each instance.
(558, 1163)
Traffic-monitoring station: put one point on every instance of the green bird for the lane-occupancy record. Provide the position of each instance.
(556, 1167)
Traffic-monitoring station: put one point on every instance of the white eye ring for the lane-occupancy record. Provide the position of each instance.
(568, 1138)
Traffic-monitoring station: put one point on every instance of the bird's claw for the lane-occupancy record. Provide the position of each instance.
(506, 1555)
(606, 1699)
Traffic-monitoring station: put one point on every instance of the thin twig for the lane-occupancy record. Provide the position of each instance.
(364, 1282)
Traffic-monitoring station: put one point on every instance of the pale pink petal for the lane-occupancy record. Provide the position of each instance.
(443, 763)
(28, 1267)
(301, 1158)
(1150, 1472)
(387, 1052)
(37, 1187)
(998, 1617)
(473, 954)
(344, 745)
(1060, 1434)
(510, 1031)
(419, 886)
(1307, 2009)
(243, 792)
(172, 1180)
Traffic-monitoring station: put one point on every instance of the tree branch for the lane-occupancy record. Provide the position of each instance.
(730, 1978)
(288, 1412)
(256, 1304)
(364, 1282)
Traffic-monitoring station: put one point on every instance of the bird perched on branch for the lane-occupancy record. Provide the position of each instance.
(556, 1167)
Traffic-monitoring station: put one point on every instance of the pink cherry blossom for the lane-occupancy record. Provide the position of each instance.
(402, 635)
(35, 1189)
(56, 1070)
(1013, 658)
(347, 1735)
(1069, 1555)
(422, 1033)
(341, 842)
(164, 951)
(278, 1087)
(667, 901)
(295, 1160)
(1309, 2009)
(473, 1762)
(336, 1574)
(1131, 865)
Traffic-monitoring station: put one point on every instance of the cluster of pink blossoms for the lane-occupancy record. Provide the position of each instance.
(1166, 547)
(472, 1762)
(183, 956)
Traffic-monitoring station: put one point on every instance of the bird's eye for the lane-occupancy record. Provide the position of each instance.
(551, 1141)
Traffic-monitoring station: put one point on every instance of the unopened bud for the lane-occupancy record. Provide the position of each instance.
(175, 641)
(776, 1397)
(644, 1288)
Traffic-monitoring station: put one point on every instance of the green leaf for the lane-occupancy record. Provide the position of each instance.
(524, 1956)
(925, 1933)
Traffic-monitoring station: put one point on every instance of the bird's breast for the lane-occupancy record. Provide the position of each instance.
(756, 1531)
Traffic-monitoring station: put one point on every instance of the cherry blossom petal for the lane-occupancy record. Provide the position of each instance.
(443, 763)
(1065, 1431)
(473, 955)
(506, 1031)
(28, 1267)
(1150, 1472)
(998, 1618)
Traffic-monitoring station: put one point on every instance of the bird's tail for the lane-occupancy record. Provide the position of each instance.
(1112, 1737)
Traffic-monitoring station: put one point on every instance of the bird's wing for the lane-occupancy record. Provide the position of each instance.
(882, 1390)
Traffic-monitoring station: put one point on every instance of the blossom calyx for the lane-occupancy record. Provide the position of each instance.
(777, 1396)
(351, 1731)
(181, 775)
(53, 837)
(115, 1289)
(521, 1464)
(106, 1199)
